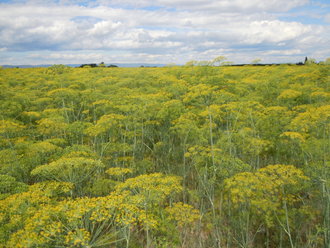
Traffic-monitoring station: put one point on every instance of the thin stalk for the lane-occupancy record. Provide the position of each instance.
(324, 152)
(287, 219)
(229, 219)
(15, 156)
(124, 146)
(247, 227)
(211, 137)
(184, 171)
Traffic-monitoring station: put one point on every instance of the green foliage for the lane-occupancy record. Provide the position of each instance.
(184, 152)
(219, 60)
(9, 186)
(75, 170)
(17, 209)
(256, 61)
(151, 190)
(58, 69)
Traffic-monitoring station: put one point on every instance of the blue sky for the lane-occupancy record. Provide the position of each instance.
(162, 31)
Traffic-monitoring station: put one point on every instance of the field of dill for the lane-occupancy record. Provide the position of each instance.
(180, 156)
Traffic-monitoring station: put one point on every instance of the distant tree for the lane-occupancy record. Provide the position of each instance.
(306, 59)
(88, 65)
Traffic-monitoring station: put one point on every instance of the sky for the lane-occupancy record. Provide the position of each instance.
(36, 32)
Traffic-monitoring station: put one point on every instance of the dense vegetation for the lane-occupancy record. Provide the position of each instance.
(191, 156)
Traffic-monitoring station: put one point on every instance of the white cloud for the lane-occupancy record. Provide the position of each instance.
(35, 55)
(3, 49)
(195, 29)
(104, 28)
(327, 18)
(275, 31)
(217, 5)
(92, 56)
(283, 52)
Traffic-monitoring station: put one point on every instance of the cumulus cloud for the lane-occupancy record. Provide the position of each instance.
(145, 30)
(217, 5)
(327, 18)
(92, 56)
(35, 56)
(283, 52)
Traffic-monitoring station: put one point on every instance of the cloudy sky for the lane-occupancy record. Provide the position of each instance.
(162, 31)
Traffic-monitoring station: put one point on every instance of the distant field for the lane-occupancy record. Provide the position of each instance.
(125, 65)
